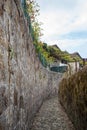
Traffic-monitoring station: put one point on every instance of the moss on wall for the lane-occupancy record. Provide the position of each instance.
(73, 96)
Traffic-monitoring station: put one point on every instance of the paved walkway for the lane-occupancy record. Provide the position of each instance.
(51, 116)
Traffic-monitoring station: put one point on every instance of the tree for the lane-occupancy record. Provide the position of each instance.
(33, 10)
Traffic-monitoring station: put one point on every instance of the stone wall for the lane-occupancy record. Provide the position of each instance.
(24, 82)
(73, 97)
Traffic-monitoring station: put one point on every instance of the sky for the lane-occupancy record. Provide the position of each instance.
(65, 24)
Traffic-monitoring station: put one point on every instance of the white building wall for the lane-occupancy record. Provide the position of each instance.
(73, 67)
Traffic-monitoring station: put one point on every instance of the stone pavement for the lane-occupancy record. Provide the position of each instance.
(52, 116)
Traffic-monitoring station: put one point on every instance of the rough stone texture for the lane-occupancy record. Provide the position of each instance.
(24, 83)
(73, 96)
(52, 117)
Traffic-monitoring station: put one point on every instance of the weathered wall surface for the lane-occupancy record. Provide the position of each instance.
(73, 96)
(24, 83)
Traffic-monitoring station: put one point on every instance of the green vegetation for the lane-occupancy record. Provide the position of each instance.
(66, 56)
(47, 54)
(33, 12)
(77, 57)
(53, 54)
(86, 62)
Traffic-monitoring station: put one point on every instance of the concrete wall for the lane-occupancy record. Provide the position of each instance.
(24, 82)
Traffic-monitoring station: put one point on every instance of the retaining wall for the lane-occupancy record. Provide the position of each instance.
(24, 82)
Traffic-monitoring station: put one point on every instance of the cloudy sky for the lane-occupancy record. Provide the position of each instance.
(65, 24)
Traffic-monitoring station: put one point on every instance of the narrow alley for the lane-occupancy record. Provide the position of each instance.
(52, 116)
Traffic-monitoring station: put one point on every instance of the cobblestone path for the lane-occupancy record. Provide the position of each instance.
(51, 116)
